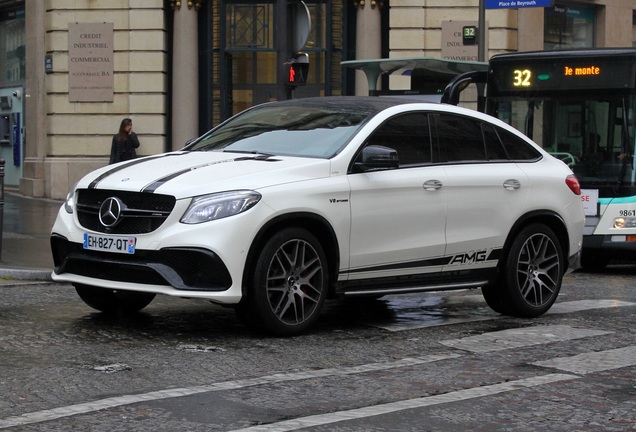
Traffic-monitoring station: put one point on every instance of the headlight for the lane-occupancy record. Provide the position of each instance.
(69, 204)
(625, 222)
(219, 205)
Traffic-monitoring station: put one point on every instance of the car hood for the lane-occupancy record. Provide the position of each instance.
(186, 174)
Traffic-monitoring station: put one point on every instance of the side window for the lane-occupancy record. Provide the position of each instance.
(460, 139)
(517, 148)
(494, 148)
(409, 135)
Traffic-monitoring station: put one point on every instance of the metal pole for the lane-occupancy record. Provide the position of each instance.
(481, 53)
(283, 40)
(481, 34)
(2, 162)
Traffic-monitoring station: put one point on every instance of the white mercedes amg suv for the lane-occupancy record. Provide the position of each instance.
(290, 203)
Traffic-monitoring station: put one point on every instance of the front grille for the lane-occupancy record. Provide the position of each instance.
(142, 213)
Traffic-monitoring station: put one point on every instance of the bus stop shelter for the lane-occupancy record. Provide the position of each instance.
(428, 75)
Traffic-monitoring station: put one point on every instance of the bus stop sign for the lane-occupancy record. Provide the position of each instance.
(503, 4)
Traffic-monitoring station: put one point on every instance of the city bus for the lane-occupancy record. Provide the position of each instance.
(580, 105)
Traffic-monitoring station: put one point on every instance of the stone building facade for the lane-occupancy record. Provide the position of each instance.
(179, 67)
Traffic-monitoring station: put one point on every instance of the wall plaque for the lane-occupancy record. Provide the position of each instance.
(90, 62)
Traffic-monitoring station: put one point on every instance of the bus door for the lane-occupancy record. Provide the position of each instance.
(595, 135)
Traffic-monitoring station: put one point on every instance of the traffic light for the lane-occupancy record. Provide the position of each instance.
(297, 70)
(469, 35)
(297, 74)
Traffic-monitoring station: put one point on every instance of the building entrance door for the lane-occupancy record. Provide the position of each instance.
(249, 54)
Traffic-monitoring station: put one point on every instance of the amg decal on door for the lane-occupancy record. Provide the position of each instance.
(471, 257)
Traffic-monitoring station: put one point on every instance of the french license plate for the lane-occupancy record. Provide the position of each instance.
(115, 244)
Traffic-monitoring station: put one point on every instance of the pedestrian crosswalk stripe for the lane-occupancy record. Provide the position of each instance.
(520, 337)
(88, 407)
(581, 305)
(593, 361)
(375, 410)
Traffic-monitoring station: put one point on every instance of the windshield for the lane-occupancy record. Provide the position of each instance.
(595, 138)
(306, 131)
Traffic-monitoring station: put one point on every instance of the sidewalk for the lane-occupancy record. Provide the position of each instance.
(26, 228)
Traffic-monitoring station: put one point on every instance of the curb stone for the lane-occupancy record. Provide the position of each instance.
(26, 274)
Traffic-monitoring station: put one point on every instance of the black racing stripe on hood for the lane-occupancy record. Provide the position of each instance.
(133, 162)
(152, 187)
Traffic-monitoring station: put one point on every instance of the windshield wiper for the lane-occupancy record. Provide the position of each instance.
(257, 154)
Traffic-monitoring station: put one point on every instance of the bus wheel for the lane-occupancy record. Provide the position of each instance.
(532, 273)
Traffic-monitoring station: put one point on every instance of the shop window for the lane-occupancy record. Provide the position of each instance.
(244, 60)
(569, 26)
(250, 25)
(12, 46)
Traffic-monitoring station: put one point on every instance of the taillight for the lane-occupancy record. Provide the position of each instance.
(573, 184)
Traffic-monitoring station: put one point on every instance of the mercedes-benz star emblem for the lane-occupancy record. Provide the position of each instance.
(110, 212)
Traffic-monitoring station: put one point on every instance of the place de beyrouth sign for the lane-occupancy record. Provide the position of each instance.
(501, 4)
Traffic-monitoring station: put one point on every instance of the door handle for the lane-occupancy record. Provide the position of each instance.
(432, 185)
(512, 184)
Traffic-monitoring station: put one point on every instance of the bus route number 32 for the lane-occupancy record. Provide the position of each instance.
(521, 78)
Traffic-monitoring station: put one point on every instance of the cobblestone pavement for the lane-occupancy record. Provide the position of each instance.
(433, 362)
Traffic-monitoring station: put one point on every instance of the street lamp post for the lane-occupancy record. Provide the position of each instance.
(481, 34)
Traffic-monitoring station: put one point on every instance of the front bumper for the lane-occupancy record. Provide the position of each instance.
(188, 269)
(615, 246)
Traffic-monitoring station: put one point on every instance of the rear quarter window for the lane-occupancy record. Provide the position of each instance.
(517, 149)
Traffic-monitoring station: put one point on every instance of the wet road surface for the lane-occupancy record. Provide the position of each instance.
(436, 361)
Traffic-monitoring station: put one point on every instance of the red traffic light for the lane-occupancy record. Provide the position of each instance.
(297, 74)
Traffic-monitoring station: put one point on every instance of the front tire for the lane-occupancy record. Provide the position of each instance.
(531, 274)
(112, 301)
(288, 285)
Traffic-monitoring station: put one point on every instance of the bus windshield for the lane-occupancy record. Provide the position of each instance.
(595, 137)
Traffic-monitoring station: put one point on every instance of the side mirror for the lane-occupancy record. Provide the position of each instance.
(375, 157)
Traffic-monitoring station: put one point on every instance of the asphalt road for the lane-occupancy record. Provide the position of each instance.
(431, 362)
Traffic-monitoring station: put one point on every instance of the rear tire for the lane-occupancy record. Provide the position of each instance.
(112, 301)
(531, 274)
(493, 298)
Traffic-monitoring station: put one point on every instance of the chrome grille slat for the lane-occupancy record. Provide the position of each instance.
(143, 212)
